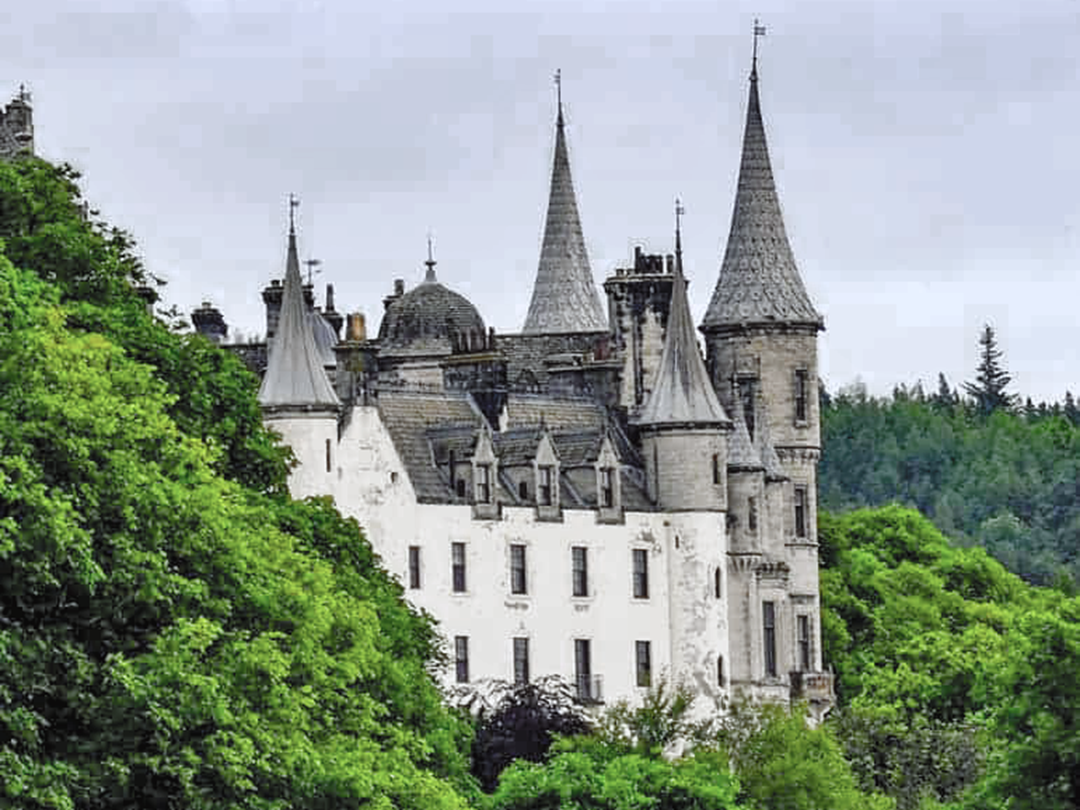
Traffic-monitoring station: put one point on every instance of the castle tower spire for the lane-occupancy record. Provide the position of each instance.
(682, 393)
(759, 281)
(295, 377)
(564, 295)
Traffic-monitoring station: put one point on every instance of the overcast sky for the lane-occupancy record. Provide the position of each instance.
(925, 152)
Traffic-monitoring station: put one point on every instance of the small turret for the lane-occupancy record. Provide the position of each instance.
(210, 323)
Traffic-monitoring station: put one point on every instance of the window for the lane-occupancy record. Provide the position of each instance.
(751, 514)
(544, 495)
(459, 487)
(717, 580)
(800, 511)
(607, 487)
(804, 642)
(521, 661)
(483, 483)
(414, 567)
(579, 558)
(719, 670)
(643, 657)
(328, 455)
(517, 569)
(457, 564)
(800, 394)
(716, 477)
(641, 573)
(768, 612)
(523, 491)
(461, 658)
(747, 391)
(583, 680)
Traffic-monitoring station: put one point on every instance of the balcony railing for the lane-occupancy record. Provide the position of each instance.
(589, 689)
(816, 687)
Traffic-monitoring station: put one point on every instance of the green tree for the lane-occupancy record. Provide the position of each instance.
(990, 389)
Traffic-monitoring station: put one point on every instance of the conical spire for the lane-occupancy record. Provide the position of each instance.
(564, 296)
(682, 393)
(294, 373)
(742, 452)
(774, 470)
(759, 281)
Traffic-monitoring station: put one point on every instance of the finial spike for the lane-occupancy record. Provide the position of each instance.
(679, 211)
(294, 203)
(558, 93)
(311, 271)
(430, 275)
(759, 31)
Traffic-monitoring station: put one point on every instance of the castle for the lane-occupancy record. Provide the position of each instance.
(590, 496)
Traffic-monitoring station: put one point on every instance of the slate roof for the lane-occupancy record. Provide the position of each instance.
(774, 470)
(426, 319)
(742, 453)
(759, 281)
(682, 393)
(564, 295)
(557, 413)
(295, 376)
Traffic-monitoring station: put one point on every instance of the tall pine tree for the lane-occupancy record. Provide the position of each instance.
(991, 379)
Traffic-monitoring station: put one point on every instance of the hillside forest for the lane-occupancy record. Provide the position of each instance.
(177, 632)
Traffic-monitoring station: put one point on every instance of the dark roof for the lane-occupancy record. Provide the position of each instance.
(557, 413)
(427, 320)
(564, 295)
(759, 281)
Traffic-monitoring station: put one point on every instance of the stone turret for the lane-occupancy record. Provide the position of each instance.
(17, 126)
(296, 395)
(683, 432)
(564, 295)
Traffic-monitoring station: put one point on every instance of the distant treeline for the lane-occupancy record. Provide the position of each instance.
(1005, 476)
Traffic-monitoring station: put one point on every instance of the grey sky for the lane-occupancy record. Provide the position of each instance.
(925, 153)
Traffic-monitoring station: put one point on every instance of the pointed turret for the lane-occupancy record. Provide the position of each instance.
(564, 296)
(681, 392)
(759, 280)
(294, 374)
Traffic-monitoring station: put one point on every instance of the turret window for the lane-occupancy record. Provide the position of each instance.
(801, 388)
(717, 478)
(800, 511)
(718, 577)
(607, 487)
(751, 514)
(747, 393)
(768, 614)
(544, 488)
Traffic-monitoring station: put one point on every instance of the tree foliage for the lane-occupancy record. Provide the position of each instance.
(990, 389)
(171, 635)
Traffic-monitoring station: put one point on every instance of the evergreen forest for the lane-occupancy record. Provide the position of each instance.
(177, 632)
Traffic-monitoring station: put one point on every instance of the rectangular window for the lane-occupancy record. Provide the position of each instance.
(414, 567)
(583, 670)
(716, 476)
(747, 392)
(457, 564)
(800, 394)
(521, 661)
(768, 614)
(751, 514)
(328, 455)
(719, 670)
(641, 573)
(607, 487)
(461, 658)
(517, 569)
(804, 642)
(579, 557)
(800, 511)
(544, 493)
(643, 657)
(483, 483)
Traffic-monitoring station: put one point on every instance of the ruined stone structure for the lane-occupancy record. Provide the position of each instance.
(591, 496)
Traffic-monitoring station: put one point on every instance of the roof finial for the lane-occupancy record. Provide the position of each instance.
(311, 265)
(679, 211)
(558, 93)
(759, 31)
(430, 275)
(294, 203)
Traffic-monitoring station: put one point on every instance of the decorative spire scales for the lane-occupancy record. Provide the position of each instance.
(759, 281)
(564, 295)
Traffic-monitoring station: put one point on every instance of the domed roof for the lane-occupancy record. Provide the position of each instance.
(429, 320)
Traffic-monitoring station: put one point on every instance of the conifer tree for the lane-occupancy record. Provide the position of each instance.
(991, 378)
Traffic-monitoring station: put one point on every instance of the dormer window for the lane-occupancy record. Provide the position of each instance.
(544, 486)
(608, 485)
(483, 483)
